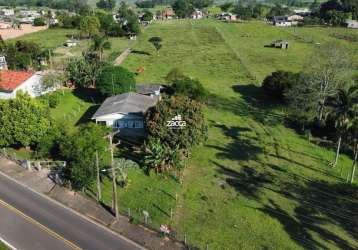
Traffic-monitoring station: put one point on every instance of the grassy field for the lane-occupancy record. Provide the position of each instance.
(3, 246)
(48, 39)
(255, 184)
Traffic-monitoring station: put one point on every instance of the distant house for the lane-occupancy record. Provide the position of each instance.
(149, 89)
(7, 12)
(26, 81)
(53, 21)
(125, 112)
(295, 18)
(281, 21)
(302, 11)
(227, 16)
(3, 63)
(197, 14)
(281, 44)
(29, 13)
(26, 20)
(352, 24)
(168, 13)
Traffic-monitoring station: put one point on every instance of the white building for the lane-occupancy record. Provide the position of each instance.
(7, 12)
(352, 24)
(26, 81)
(197, 14)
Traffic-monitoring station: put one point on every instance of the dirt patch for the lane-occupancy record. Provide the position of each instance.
(25, 29)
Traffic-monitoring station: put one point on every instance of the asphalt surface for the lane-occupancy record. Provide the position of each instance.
(29, 221)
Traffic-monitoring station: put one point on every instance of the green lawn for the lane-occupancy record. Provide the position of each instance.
(255, 184)
(74, 108)
(3, 246)
(48, 39)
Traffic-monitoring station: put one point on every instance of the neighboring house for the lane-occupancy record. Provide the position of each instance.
(29, 13)
(125, 112)
(302, 11)
(3, 63)
(295, 18)
(53, 21)
(281, 44)
(352, 24)
(167, 14)
(26, 81)
(197, 14)
(7, 12)
(26, 20)
(227, 16)
(281, 21)
(149, 89)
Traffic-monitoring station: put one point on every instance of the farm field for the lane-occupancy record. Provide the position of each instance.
(253, 171)
(49, 38)
(25, 29)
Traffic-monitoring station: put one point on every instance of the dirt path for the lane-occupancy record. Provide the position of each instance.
(122, 56)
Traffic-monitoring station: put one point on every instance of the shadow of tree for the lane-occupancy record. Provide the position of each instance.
(240, 148)
(86, 117)
(253, 103)
(247, 181)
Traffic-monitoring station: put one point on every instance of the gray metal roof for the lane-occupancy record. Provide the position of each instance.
(146, 89)
(125, 104)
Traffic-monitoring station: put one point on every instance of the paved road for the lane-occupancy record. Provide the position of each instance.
(29, 221)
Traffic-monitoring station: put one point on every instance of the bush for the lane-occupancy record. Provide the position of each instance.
(53, 100)
(115, 80)
(39, 21)
(191, 88)
(279, 82)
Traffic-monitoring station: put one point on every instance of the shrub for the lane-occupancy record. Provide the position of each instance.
(53, 100)
(39, 21)
(191, 88)
(279, 82)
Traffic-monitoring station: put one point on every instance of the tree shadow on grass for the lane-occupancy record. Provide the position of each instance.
(240, 148)
(140, 52)
(87, 116)
(247, 181)
(252, 104)
(89, 95)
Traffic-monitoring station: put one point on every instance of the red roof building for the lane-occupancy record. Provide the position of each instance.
(10, 80)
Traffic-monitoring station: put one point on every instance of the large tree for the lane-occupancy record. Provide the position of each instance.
(159, 118)
(79, 148)
(115, 80)
(90, 26)
(183, 8)
(343, 106)
(191, 88)
(328, 70)
(106, 4)
(23, 121)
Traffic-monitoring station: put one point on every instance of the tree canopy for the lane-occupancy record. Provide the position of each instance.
(115, 80)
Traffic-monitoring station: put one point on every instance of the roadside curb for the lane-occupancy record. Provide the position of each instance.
(71, 210)
(7, 244)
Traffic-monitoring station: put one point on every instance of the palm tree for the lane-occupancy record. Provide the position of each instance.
(353, 138)
(100, 43)
(342, 111)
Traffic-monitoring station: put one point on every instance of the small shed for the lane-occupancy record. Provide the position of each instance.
(71, 43)
(280, 44)
(352, 24)
(132, 36)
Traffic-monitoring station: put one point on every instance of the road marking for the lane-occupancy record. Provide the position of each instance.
(7, 244)
(42, 227)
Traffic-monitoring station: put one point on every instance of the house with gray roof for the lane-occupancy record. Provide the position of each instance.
(149, 89)
(125, 112)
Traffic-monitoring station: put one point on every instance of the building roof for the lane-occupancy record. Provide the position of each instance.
(146, 89)
(10, 80)
(280, 18)
(125, 104)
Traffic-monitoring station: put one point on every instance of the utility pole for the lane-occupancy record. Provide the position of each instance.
(114, 184)
(99, 192)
